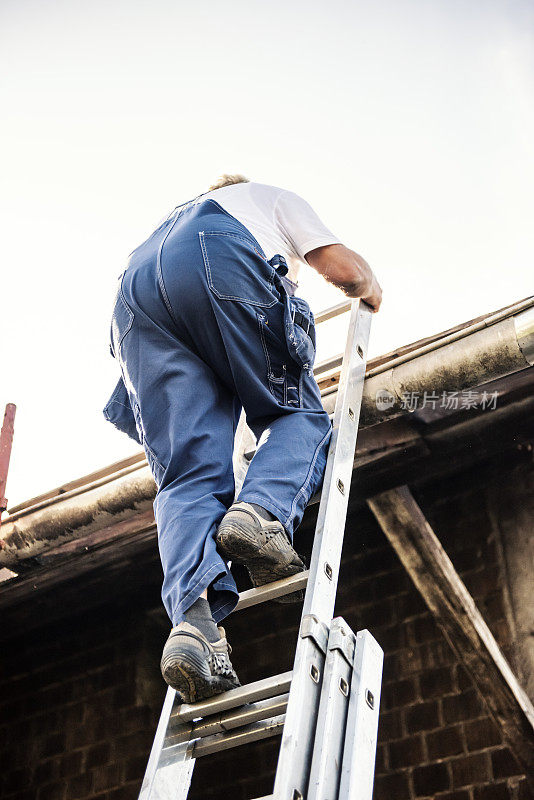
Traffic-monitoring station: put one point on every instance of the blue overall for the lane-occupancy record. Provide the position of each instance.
(204, 325)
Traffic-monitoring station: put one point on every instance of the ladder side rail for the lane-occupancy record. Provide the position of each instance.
(244, 444)
(297, 739)
(358, 765)
(167, 777)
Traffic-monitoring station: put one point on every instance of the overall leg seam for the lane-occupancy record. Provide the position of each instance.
(308, 478)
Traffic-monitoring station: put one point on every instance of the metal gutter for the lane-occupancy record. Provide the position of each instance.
(491, 348)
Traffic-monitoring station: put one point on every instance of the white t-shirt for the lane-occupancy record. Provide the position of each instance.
(281, 221)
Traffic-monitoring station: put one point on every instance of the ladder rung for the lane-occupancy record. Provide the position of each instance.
(259, 690)
(328, 364)
(328, 313)
(251, 597)
(251, 733)
(227, 721)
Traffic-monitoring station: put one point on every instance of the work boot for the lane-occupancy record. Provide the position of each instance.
(196, 668)
(263, 546)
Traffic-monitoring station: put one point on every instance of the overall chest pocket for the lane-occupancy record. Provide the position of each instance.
(235, 270)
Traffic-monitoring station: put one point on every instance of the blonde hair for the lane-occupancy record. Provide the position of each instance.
(228, 180)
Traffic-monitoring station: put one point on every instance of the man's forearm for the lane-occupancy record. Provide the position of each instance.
(348, 271)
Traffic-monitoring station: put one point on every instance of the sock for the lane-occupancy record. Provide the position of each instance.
(199, 615)
(262, 512)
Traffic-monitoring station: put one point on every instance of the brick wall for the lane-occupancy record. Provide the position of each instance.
(79, 701)
(77, 712)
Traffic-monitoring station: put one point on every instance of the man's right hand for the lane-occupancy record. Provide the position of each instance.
(348, 271)
(374, 296)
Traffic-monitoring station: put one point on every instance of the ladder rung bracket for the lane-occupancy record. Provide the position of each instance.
(259, 690)
(250, 733)
(342, 638)
(270, 591)
(312, 628)
(229, 720)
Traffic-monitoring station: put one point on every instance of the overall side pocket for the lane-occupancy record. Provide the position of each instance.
(300, 336)
(121, 323)
(283, 379)
(119, 412)
(235, 270)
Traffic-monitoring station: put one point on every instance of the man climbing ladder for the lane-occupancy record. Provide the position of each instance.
(206, 323)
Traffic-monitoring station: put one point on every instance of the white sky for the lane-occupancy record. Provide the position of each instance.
(407, 124)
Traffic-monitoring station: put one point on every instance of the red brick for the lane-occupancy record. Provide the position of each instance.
(382, 613)
(471, 769)
(124, 696)
(392, 583)
(134, 768)
(80, 786)
(425, 629)
(133, 744)
(70, 764)
(28, 794)
(80, 736)
(394, 785)
(464, 679)
(437, 682)
(98, 755)
(46, 772)
(135, 719)
(431, 778)
(493, 608)
(410, 605)
(15, 780)
(482, 583)
(52, 745)
(52, 791)
(494, 791)
(524, 792)
(422, 717)
(459, 707)
(129, 791)
(444, 742)
(107, 777)
(389, 726)
(406, 752)
(73, 715)
(393, 638)
(399, 693)
(469, 559)
(504, 764)
(435, 654)
(481, 733)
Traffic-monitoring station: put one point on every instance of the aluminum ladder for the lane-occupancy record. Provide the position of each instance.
(326, 709)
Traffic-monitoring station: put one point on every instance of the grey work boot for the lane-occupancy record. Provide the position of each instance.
(262, 546)
(196, 668)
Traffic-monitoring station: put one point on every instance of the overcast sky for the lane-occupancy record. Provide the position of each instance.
(407, 124)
